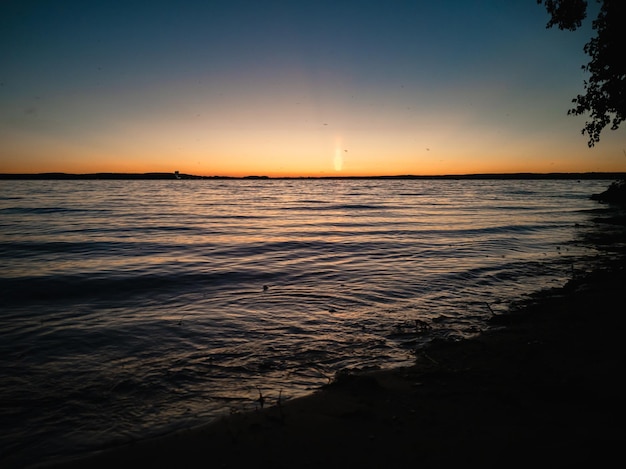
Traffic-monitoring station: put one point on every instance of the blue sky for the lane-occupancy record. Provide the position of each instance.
(292, 88)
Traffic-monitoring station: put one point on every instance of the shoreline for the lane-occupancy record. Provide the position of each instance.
(542, 385)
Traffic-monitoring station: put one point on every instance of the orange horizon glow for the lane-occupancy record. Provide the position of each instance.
(334, 157)
(355, 142)
(443, 171)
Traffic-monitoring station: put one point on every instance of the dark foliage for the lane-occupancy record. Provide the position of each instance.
(605, 97)
(566, 14)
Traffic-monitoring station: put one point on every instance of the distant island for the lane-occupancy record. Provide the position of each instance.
(180, 176)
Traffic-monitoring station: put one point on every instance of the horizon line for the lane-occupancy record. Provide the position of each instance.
(177, 175)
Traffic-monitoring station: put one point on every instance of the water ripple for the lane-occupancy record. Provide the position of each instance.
(134, 307)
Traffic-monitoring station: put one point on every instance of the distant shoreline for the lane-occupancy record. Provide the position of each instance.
(176, 176)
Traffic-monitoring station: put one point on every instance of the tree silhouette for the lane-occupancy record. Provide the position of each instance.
(605, 96)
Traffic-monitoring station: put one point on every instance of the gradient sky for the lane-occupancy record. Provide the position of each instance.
(292, 88)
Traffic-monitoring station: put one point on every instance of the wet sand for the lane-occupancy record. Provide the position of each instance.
(542, 387)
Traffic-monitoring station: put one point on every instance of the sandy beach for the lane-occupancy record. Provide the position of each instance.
(541, 386)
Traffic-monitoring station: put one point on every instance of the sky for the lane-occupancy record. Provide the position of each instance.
(293, 88)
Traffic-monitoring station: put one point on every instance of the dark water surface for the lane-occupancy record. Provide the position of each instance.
(131, 308)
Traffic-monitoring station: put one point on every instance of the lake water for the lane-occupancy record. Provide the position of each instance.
(132, 308)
